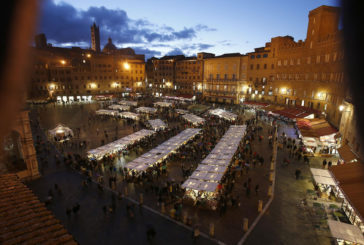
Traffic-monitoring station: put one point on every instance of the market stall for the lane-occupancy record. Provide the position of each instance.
(119, 107)
(157, 124)
(119, 145)
(103, 112)
(347, 155)
(323, 180)
(193, 119)
(128, 103)
(61, 133)
(179, 98)
(345, 234)
(162, 104)
(181, 111)
(202, 184)
(350, 187)
(318, 136)
(129, 115)
(223, 114)
(147, 110)
(162, 152)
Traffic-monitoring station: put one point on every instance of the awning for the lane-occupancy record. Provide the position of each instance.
(347, 154)
(345, 231)
(350, 179)
(322, 176)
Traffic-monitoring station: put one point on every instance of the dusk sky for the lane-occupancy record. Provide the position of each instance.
(157, 28)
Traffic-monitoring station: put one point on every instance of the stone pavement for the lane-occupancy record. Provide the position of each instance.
(286, 222)
(91, 225)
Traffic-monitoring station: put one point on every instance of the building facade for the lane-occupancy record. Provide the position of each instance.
(76, 74)
(225, 78)
(18, 155)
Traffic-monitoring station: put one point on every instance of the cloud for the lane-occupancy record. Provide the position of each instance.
(149, 53)
(197, 46)
(63, 23)
(175, 51)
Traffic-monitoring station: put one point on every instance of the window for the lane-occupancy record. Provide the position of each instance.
(225, 87)
(265, 55)
(318, 59)
(234, 77)
(279, 63)
(217, 76)
(327, 58)
(335, 56)
(298, 61)
(285, 62)
(225, 76)
(252, 56)
(258, 66)
(258, 56)
(291, 62)
(265, 66)
(251, 67)
(308, 60)
(272, 66)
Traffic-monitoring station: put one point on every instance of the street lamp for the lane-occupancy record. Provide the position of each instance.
(126, 65)
(63, 62)
(341, 107)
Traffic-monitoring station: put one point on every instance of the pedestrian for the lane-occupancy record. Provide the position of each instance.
(257, 189)
(150, 232)
(324, 163)
(329, 164)
(196, 233)
(297, 173)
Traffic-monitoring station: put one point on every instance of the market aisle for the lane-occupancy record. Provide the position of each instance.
(285, 220)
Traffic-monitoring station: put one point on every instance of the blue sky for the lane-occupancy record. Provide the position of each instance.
(160, 27)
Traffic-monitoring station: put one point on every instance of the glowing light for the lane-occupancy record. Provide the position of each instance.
(199, 86)
(244, 89)
(139, 84)
(126, 65)
(169, 84)
(88, 55)
(51, 86)
(93, 85)
(341, 107)
(63, 62)
(114, 84)
(283, 90)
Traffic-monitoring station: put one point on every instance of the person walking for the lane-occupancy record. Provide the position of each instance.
(297, 173)
(324, 163)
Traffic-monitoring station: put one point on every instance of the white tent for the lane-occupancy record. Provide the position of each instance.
(61, 131)
(322, 176)
(346, 232)
(157, 124)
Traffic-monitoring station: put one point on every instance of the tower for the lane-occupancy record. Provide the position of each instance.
(322, 21)
(40, 41)
(95, 38)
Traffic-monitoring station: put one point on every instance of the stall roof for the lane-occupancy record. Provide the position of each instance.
(347, 154)
(345, 231)
(322, 176)
(350, 179)
(315, 127)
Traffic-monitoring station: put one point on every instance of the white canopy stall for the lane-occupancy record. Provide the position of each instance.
(119, 107)
(223, 114)
(323, 179)
(119, 145)
(61, 133)
(158, 154)
(181, 111)
(162, 104)
(213, 168)
(129, 115)
(345, 233)
(147, 110)
(195, 120)
(157, 124)
(103, 112)
(128, 103)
